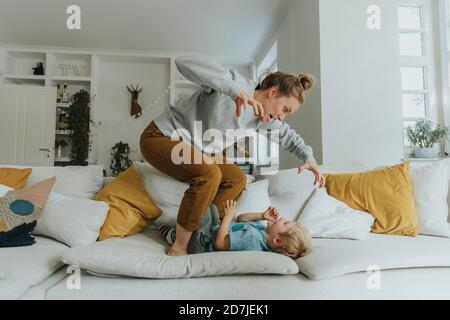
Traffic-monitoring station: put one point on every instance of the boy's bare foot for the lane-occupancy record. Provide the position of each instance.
(175, 250)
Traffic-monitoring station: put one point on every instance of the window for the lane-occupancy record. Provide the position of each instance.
(416, 43)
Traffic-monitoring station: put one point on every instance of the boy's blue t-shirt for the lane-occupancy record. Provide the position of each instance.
(244, 236)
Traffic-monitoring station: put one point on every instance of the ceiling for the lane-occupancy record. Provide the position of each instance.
(213, 27)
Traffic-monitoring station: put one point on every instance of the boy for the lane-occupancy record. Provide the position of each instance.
(262, 231)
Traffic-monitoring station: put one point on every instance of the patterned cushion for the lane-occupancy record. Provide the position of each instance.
(19, 210)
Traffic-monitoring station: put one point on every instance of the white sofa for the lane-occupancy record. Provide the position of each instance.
(37, 272)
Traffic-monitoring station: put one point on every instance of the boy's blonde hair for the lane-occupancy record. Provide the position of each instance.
(296, 242)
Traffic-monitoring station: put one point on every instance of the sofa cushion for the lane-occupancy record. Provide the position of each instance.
(131, 207)
(327, 217)
(165, 191)
(73, 221)
(14, 177)
(24, 267)
(12, 289)
(289, 190)
(19, 210)
(254, 198)
(331, 257)
(387, 194)
(431, 185)
(143, 255)
(71, 181)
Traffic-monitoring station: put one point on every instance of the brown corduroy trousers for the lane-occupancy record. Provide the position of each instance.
(208, 183)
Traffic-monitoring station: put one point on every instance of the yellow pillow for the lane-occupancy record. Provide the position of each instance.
(385, 193)
(14, 178)
(131, 208)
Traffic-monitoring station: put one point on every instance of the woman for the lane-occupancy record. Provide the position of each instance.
(218, 105)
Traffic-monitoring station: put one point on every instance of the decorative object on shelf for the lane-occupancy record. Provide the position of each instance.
(120, 160)
(79, 122)
(136, 110)
(39, 69)
(59, 144)
(65, 94)
(63, 121)
(83, 71)
(64, 68)
(58, 93)
(76, 71)
(426, 135)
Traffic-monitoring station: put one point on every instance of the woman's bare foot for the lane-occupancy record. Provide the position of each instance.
(175, 250)
(179, 247)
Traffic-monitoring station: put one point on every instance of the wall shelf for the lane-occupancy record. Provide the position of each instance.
(24, 79)
(62, 132)
(23, 76)
(63, 105)
(69, 79)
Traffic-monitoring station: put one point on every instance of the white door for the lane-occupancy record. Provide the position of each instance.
(27, 125)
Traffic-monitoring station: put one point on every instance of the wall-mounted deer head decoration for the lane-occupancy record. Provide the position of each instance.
(136, 110)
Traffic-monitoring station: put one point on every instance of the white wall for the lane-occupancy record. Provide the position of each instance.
(299, 52)
(354, 113)
(113, 103)
(361, 104)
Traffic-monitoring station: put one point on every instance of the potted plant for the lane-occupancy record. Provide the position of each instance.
(120, 160)
(426, 135)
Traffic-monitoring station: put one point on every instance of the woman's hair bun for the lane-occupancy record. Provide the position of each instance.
(307, 81)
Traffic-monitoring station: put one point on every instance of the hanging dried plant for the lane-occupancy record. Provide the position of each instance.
(79, 121)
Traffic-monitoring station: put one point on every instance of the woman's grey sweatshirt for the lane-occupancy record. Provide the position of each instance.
(214, 105)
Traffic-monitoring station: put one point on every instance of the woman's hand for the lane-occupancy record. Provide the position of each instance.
(315, 170)
(243, 100)
(271, 214)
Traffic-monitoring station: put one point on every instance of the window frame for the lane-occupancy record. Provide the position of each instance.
(442, 9)
(428, 61)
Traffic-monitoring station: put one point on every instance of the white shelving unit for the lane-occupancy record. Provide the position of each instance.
(16, 65)
(60, 67)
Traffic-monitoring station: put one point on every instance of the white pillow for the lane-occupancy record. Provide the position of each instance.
(165, 191)
(73, 221)
(336, 257)
(289, 191)
(431, 185)
(4, 189)
(327, 217)
(255, 198)
(71, 181)
(142, 255)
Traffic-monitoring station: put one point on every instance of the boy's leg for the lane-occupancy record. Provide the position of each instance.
(168, 232)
